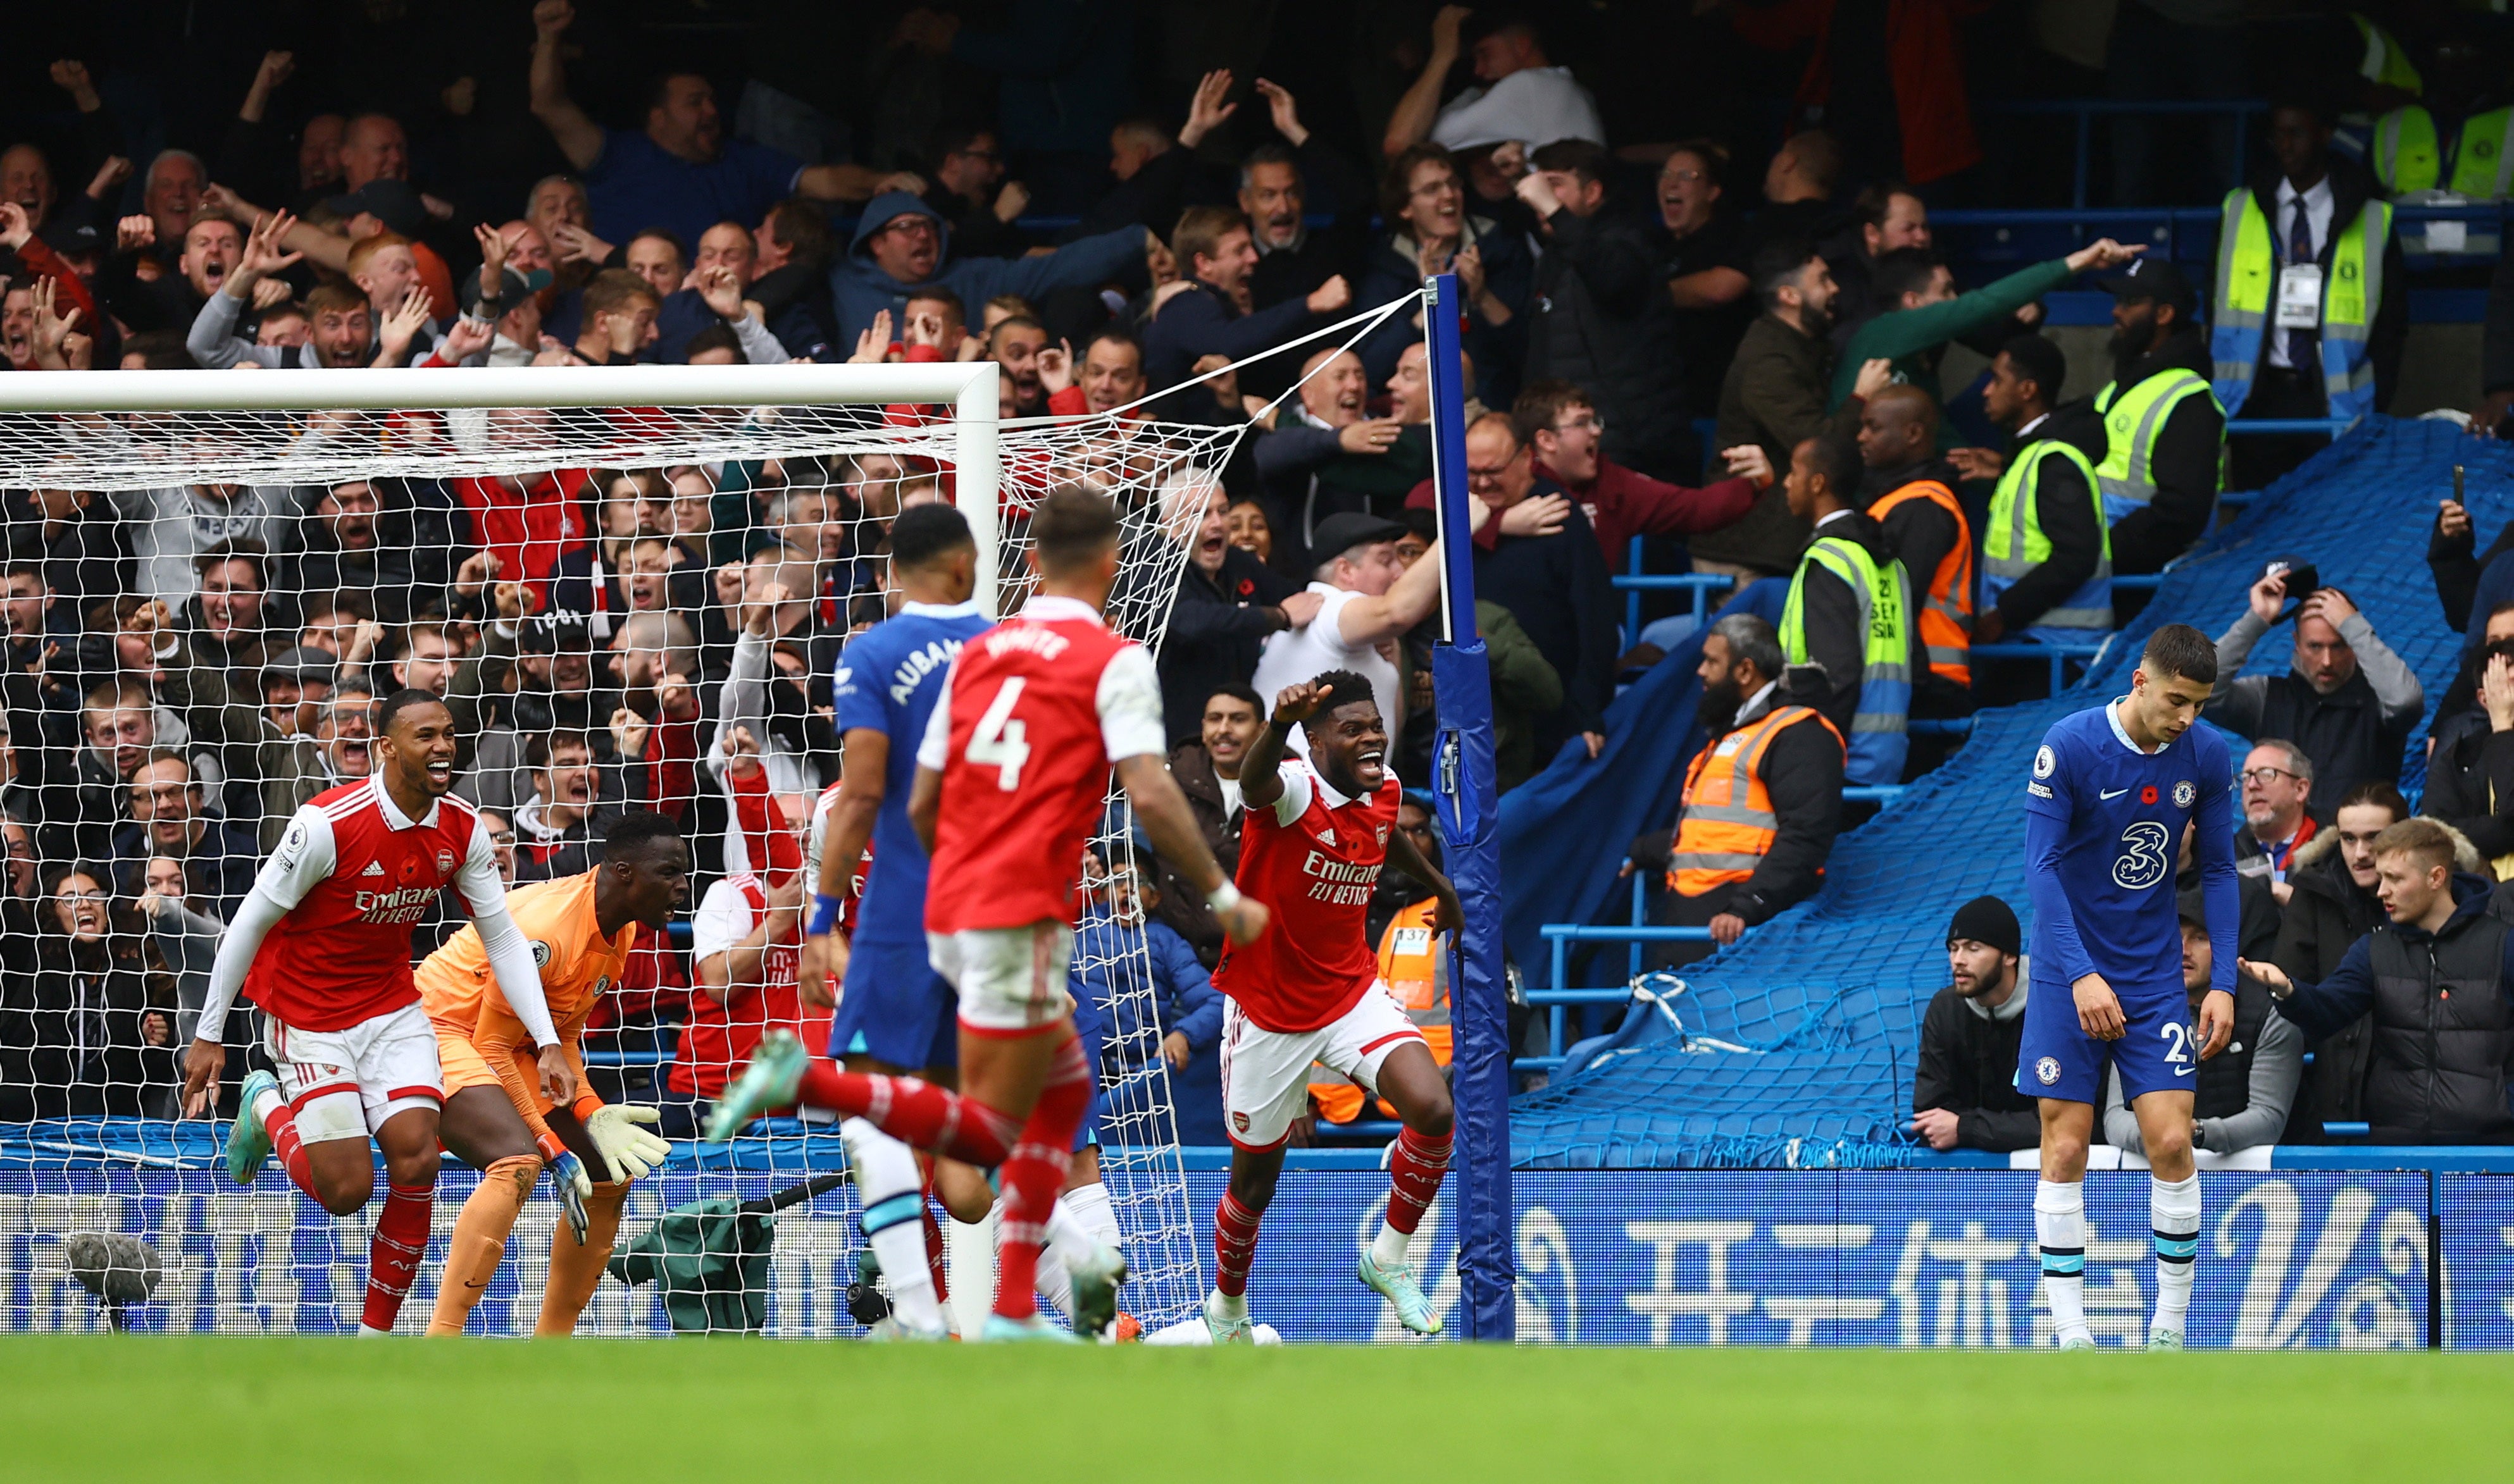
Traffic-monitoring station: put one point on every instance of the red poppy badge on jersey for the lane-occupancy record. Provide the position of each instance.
(2147, 795)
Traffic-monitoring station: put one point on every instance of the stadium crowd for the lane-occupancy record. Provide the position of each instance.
(188, 664)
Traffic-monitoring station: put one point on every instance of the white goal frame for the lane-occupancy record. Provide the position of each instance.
(970, 387)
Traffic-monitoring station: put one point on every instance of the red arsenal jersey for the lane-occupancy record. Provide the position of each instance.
(718, 1037)
(1312, 858)
(361, 877)
(1035, 711)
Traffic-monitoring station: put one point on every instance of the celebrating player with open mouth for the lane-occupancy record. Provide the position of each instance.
(1011, 775)
(1316, 836)
(322, 944)
(2111, 791)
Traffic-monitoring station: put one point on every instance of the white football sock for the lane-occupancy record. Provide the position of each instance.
(891, 1194)
(1090, 1209)
(263, 1105)
(2174, 1209)
(1069, 1236)
(1391, 1247)
(2061, 1231)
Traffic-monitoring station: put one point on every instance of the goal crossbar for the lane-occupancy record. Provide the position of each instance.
(971, 389)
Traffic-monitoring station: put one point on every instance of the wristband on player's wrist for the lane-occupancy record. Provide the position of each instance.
(825, 914)
(1222, 898)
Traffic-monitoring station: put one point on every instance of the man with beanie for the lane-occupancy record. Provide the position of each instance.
(1965, 1094)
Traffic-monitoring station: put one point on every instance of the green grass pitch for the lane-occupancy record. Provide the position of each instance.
(267, 1411)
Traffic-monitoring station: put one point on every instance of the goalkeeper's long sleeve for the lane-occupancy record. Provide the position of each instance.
(511, 953)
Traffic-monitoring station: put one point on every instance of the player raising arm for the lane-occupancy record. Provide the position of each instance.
(322, 944)
(1011, 776)
(582, 929)
(1316, 836)
(2111, 791)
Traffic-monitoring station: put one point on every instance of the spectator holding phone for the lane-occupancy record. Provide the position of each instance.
(2348, 702)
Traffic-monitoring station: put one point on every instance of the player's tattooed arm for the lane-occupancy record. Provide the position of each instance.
(1401, 851)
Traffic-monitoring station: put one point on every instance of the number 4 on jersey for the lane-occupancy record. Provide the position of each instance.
(1000, 742)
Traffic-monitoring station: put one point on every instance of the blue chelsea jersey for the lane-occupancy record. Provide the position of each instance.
(888, 679)
(2104, 825)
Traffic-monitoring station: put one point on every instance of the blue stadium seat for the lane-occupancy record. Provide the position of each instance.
(1834, 988)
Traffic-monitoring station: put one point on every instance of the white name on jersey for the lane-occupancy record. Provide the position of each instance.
(937, 654)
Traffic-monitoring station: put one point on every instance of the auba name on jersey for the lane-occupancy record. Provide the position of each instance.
(914, 666)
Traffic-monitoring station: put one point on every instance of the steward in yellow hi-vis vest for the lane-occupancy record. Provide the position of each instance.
(2308, 316)
(2165, 435)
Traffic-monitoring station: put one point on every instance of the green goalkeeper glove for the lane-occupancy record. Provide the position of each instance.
(632, 1152)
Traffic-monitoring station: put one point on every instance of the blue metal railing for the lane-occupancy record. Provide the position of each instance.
(2059, 655)
(1559, 937)
(1634, 582)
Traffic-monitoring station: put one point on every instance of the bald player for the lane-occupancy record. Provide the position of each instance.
(1910, 490)
(582, 929)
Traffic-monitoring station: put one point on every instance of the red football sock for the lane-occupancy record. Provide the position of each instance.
(1234, 1245)
(913, 1112)
(1414, 1170)
(1033, 1176)
(281, 1125)
(395, 1251)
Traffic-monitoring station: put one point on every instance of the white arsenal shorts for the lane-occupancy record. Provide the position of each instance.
(1011, 980)
(1266, 1073)
(344, 1084)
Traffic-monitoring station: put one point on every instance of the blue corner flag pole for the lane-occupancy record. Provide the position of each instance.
(1463, 781)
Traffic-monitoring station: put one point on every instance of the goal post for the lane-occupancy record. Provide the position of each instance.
(1464, 785)
(763, 476)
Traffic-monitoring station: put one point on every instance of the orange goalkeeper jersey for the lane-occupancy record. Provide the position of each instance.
(576, 964)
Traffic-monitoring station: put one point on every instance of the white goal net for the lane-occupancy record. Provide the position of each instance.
(610, 573)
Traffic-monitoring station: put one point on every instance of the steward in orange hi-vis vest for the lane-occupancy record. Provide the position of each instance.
(1414, 970)
(1729, 823)
(1945, 599)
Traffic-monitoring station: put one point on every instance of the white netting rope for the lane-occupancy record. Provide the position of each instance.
(166, 717)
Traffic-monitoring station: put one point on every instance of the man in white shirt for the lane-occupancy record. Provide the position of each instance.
(1521, 97)
(1370, 598)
